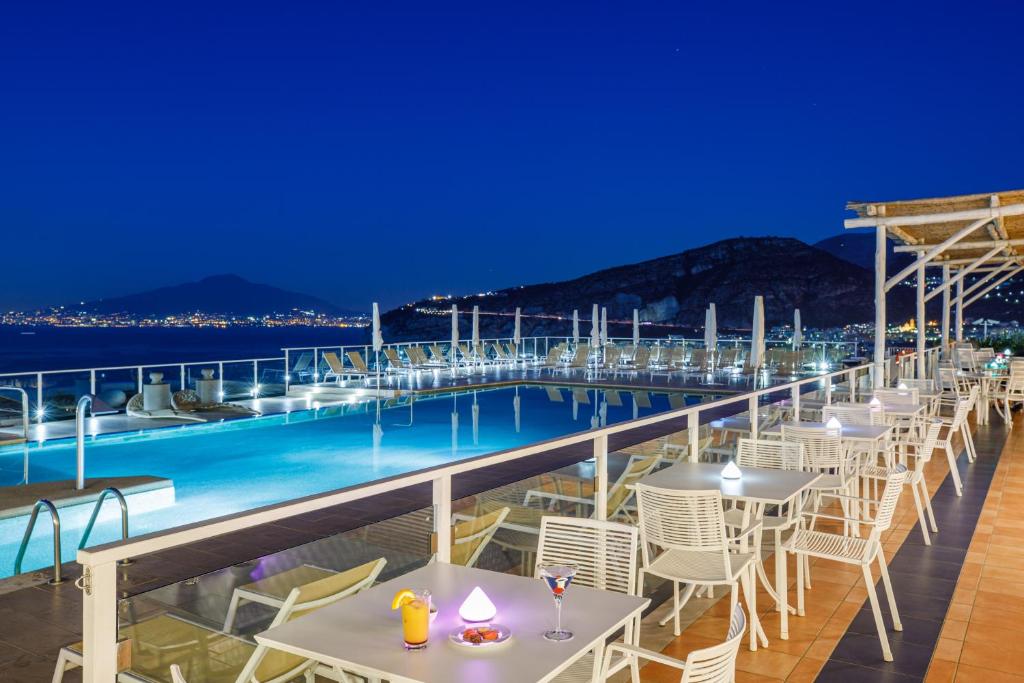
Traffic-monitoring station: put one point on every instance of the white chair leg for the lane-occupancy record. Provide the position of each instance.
(229, 618)
(800, 584)
(953, 471)
(877, 611)
(62, 666)
(920, 514)
(928, 504)
(890, 596)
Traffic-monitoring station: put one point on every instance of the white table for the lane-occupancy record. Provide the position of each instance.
(870, 437)
(758, 487)
(362, 634)
(989, 383)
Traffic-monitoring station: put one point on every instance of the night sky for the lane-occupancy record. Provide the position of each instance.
(390, 150)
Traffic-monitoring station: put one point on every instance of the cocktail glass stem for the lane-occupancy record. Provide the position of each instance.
(558, 614)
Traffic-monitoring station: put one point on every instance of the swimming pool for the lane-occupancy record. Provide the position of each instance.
(223, 468)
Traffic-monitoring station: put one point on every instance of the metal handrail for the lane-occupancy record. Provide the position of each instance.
(96, 513)
(42, 502)
(80, 440)
(24, 405)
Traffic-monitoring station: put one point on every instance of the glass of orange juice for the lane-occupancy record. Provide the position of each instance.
(416, 620)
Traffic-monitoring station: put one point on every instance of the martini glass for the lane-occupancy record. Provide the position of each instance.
(558, 577)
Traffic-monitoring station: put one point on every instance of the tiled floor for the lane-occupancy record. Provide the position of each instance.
(837, 641)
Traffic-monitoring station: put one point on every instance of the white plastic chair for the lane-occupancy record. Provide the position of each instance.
(862, 552)
(605, 556)
(824, 453)
(908, 395)
(958, 425)
(778, 455)
(715, 664)
(918, 444)
(688, 528)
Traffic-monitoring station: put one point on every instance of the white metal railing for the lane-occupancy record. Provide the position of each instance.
(34, 381)
(99, 564)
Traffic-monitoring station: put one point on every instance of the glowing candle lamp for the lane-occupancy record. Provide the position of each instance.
(477, 607)
(731, 471)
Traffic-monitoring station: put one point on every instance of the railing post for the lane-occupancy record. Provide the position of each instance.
(795, 396)
(138, 379)
(752, 408)
(316, 364)
(693, 433)
(220, 380)
(99, 623)
(287, 372)
(182, 377)
(442, 493)
(828, 390)
(601, 476)
(92, 382)
(255, 378)
(851, 378)
(39, 398)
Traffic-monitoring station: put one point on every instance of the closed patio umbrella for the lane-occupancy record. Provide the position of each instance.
(798, 330)
(455, 334)
(378, 340)
(476, 329)
(604, 326)
(757, 334)
(710, 329)
(636, 327)
(575, 328)
(516, 330)
(595, 335)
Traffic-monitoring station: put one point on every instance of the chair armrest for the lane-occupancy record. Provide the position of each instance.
(870, 501)
(650, 655)
(555, 496)
(746, 532)
(839, 518)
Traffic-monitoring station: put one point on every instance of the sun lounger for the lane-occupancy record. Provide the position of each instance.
(337, 370)
(187, 401)
(134, 409)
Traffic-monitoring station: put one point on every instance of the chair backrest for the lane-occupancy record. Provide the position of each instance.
(823, 449)
(357, 361)
(604, 553)
(499, 352)
(919, 384)
(612, 355)
(682, 520)
(579, 359)
(334, 362)
(778, 455)
(304, 360)
(931, 441)
(469, 538)
(620, 492)
(394, 358)
(642, 358)
(303, 600)
(853, 413)
(890, 496)
(908, 395)
(699, 358)
(965, 359)
(717, 664)
(437, 354)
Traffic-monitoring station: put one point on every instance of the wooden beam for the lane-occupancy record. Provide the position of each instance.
(932, 218)
(980, 282)
(945, 311)
(993, 286)
(881, 245)
(964, 272)
(935, 251)
(976, 244)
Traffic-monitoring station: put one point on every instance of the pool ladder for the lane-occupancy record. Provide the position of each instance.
(55, 517)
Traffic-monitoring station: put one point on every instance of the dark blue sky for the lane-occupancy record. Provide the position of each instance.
(388, 150)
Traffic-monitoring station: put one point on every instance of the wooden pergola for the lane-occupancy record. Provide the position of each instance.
(979, 234)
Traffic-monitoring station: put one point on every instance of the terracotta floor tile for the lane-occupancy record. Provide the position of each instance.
(940, 671)
(806, 671)
(990, 655)
(966, 673)
(947, 649)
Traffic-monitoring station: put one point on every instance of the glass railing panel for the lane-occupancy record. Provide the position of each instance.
(61, 391)
(206, 623)
(115, 387)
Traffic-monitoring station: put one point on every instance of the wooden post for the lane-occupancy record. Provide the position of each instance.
(601, 476)
(880, 246)
(945, 310)
(922, 321)
(442, 495)
(960, 311)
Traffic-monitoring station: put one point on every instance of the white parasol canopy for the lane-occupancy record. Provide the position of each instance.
(710, 329)
(604, 326)
(575, 327)
(455, 332)
(798, 330)
(757, 334)
(476, 328)
(636, 327)
(516, 338)
(595, 335)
